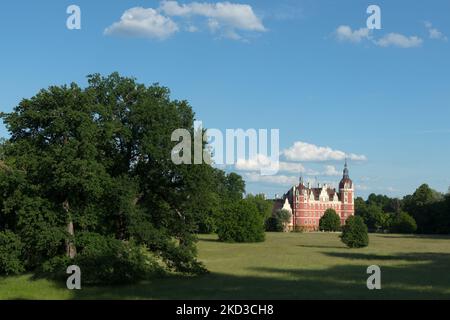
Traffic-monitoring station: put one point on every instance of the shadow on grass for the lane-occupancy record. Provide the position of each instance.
(414, 236)
(421, 276)
(210, 240)
(321, 247)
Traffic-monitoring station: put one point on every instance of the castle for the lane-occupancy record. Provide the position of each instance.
(308, 204)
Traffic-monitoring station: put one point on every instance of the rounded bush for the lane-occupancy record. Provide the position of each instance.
(10, 253)
(241, 222)
(330, 221)
(404, 223)
(354, 233)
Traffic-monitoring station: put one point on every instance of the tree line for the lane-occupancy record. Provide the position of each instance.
(426, 211)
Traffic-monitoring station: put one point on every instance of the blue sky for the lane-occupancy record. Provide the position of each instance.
(308, 68)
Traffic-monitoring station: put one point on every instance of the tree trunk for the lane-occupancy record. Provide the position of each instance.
(71, 250)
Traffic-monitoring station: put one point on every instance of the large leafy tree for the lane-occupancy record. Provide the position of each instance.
(53, 148)
(98, 160)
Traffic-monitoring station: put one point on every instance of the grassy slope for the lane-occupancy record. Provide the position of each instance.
(286, 266)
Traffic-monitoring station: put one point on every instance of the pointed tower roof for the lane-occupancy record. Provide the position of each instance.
(346, 174)
(345, 177)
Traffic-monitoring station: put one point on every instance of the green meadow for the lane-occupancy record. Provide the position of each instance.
(285, 266)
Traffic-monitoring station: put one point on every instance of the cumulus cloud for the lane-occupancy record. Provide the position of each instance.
(303, 151)
(231, 15)
(399, 40)
(259, 162)
(346, 34)
(434, 33)
(276, 179)
(143, 22)
(225, 18)
(263, 162)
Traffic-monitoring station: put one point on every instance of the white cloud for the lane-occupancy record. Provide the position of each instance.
(142, 22)
(302, 151)
(276, 179)
(213, 25)
(399, 40)
(229, 19)
(233, 15)
(331, 171)
(346, 34)
(258, 163)
(292, 167)
(434, 33)
(191, 28)
(225, 17)
(262, 162)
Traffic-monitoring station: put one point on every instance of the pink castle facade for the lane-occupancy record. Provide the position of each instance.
(308, 204)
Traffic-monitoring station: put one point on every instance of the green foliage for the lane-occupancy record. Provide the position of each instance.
(371, 214)
(215, 188)
(105, 260)
(55, 267)
(429, 209)
(10, 253)
(354, 233)
(374, 211)
(234, 186)
(264, 206)
(385, 221)
(99, 159)
(403, 223)
(241, 222)
(279, 221)
(384, 202)
(330, 221)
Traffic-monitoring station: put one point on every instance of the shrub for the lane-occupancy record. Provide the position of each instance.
(403, 223)
(179, 258)
(55, 268)
(241, 222)
(354, 233)
(279, 221)
(10, 253)
(273, 225)
(106, 260)
(103, 260)
(330, 221)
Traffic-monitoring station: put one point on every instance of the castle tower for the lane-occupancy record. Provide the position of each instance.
(346, 193)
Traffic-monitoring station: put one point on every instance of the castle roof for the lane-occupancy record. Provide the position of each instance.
(345, 178)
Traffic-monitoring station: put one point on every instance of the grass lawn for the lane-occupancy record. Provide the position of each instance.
(286, 266)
